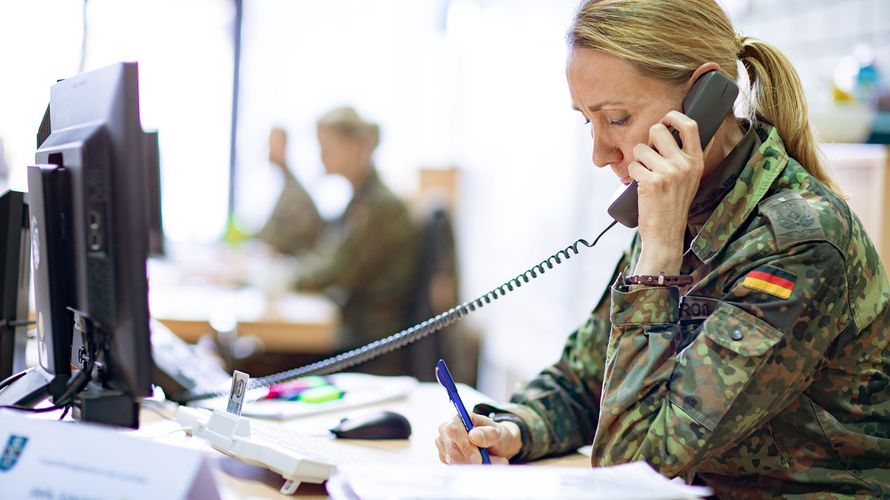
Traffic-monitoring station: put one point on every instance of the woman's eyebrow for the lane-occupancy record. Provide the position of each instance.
(596, 107)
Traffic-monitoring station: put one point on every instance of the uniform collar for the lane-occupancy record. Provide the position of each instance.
(755, 179)
(716, 186)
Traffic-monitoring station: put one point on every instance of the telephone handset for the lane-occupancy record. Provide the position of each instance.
(708, 102)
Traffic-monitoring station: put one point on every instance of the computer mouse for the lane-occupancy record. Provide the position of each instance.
(374, 425)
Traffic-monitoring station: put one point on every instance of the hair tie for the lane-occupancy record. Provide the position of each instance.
(740, 45)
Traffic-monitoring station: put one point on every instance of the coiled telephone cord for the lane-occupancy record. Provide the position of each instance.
(416, 332)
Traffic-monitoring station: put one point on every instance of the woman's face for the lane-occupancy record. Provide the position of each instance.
(620, 103)
(340, 154)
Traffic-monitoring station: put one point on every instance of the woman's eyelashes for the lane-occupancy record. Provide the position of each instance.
(615, 122)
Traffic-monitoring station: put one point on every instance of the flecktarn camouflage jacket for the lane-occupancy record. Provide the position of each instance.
(769, 376)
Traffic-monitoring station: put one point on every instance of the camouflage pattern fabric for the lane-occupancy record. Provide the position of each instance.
(295, 225)
(757, 390)
(367, 262)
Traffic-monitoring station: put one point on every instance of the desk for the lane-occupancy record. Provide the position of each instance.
(426, 407)
(291, 323)
(195, 286)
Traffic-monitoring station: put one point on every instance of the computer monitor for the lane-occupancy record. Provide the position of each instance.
(49, 254)
(15, 272)
(97, 139)
(153, 194)
(49, 190)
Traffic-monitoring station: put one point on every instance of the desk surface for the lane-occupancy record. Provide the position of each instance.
(291, 323)
(426, 407)
(245, 287)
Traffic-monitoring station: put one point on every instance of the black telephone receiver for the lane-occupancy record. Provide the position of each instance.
(709, 101)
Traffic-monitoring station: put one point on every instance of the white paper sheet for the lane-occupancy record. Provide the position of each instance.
(629, 481)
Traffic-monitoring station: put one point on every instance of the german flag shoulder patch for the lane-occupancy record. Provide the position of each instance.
(768, 279)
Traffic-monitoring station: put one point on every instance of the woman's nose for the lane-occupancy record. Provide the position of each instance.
(604, 152)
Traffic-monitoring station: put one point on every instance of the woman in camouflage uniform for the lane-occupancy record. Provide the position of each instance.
(769, 375)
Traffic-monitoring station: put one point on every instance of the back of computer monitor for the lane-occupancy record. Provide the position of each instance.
(97, 138)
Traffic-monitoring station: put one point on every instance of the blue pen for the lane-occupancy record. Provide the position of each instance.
(444, 378)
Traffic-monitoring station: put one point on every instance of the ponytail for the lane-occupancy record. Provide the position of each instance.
(777, 98)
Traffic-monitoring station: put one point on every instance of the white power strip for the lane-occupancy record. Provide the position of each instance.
(231, 435)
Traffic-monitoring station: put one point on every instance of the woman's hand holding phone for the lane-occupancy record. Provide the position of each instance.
(668, 176)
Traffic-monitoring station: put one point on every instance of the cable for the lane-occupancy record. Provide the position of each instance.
(161, 408)
(77, 384)
(45, 409)
(185, 429)
(414, 333)
(12, 378)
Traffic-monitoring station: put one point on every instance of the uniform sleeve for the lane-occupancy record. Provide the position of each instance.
(756, 352)
(294, 225)
(557, 411)
(346, 258)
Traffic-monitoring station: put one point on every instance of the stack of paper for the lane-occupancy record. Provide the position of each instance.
(629, 481)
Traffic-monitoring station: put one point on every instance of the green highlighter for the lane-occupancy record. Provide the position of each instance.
(320, 394)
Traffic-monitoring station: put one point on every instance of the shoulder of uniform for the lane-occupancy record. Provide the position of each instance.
(802, 215)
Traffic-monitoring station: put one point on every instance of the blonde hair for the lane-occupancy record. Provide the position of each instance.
(670, 39)
(346, 121)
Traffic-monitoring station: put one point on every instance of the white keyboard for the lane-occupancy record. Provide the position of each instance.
(323, 449)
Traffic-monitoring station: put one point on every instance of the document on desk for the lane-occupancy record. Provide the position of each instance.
(630, 481)
(51, 459)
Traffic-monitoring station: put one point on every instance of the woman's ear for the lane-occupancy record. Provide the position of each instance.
(701, 70)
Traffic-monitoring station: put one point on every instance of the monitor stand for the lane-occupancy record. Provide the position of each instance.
(109, 407)
(31, 387)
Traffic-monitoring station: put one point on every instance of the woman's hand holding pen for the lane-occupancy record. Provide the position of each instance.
(668, 177)
(503, 440)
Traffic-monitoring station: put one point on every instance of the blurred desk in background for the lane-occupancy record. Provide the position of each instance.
(291, 323)
(242, 290)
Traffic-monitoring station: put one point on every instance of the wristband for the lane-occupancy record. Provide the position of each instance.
(660, 280)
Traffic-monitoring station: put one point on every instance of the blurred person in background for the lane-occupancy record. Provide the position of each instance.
(295, 224)
(367, 260)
